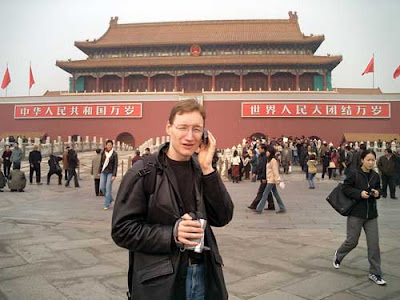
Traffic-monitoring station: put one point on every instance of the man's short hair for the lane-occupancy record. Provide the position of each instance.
(109, 141)
(186, 106)
(98, 150)
(147, 149)
(264, 147)
(389, 150)
(363, 147)
(137, 152)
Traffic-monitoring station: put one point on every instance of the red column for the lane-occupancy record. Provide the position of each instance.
(175, 83)
(123, 84)
(269, 82)
(148, 83)
(241, 82)
(213, 82)
(97, 84)
(325, 83)
(297, 82)
(73, 83)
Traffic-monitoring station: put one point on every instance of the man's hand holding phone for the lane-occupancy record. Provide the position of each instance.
(206, 152)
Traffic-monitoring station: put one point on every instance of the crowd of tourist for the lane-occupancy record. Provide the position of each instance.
(104, 169)
(315, 156)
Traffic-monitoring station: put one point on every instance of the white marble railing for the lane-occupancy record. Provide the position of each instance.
(57, 146)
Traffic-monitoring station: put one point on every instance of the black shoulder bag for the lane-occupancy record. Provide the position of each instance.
(339, 201)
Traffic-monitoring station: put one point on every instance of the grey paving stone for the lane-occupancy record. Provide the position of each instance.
(29, 287)
(345, 296)
(37, 240)
(106, 249)
(82, 257)
(233, 297)
(36, 253)
(117, 282)
(92, 290)
(77, 244)
(6, 262)
(370, 289)
(29, 269)
(8, 229)
(120, 258)
(75, 234)
(260, 284)
(95, 271)
(6, 251)
(281, 295)
(321, 285)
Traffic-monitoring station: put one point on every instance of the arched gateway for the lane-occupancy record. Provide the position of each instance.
(127, 138)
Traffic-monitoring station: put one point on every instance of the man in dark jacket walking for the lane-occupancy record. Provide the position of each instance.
(73, 162)
(356, 160)
(161, 224)
(262, 176)
(35, 158)
(108, 172)
(387, 166)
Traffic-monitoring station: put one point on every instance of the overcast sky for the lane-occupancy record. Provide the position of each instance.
(43, 31)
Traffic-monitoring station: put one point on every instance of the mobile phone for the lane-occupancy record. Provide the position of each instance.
(204, 137)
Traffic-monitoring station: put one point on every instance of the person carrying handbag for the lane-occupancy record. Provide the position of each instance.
(363, 185)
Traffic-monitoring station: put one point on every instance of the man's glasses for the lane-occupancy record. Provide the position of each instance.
(183, 129)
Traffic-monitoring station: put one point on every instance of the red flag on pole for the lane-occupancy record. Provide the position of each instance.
(396, 72)
(31, 79)
(370, 67)
(6, 79)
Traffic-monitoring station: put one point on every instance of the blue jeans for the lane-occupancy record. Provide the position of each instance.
(195, 282)
(270, 187)
(106, 187)
(311, 179)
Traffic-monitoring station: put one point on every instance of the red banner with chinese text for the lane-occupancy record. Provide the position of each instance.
(371, 110)
(78, 111)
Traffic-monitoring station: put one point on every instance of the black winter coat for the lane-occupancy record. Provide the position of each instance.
(356, 182)
(72, 158)
(261, 167)
(54, 163)
(112, 166)
(144, 224)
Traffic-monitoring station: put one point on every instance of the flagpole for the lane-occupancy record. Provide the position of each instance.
(373, 73)
(29, 83)
(7, 84)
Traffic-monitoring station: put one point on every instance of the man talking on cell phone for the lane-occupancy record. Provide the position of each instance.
(165, 206)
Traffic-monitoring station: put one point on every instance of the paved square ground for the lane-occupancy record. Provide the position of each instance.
(55, 244)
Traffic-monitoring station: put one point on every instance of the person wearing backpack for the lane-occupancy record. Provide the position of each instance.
(164, 210)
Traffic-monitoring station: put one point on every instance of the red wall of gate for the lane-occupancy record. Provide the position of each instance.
(223, 119)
